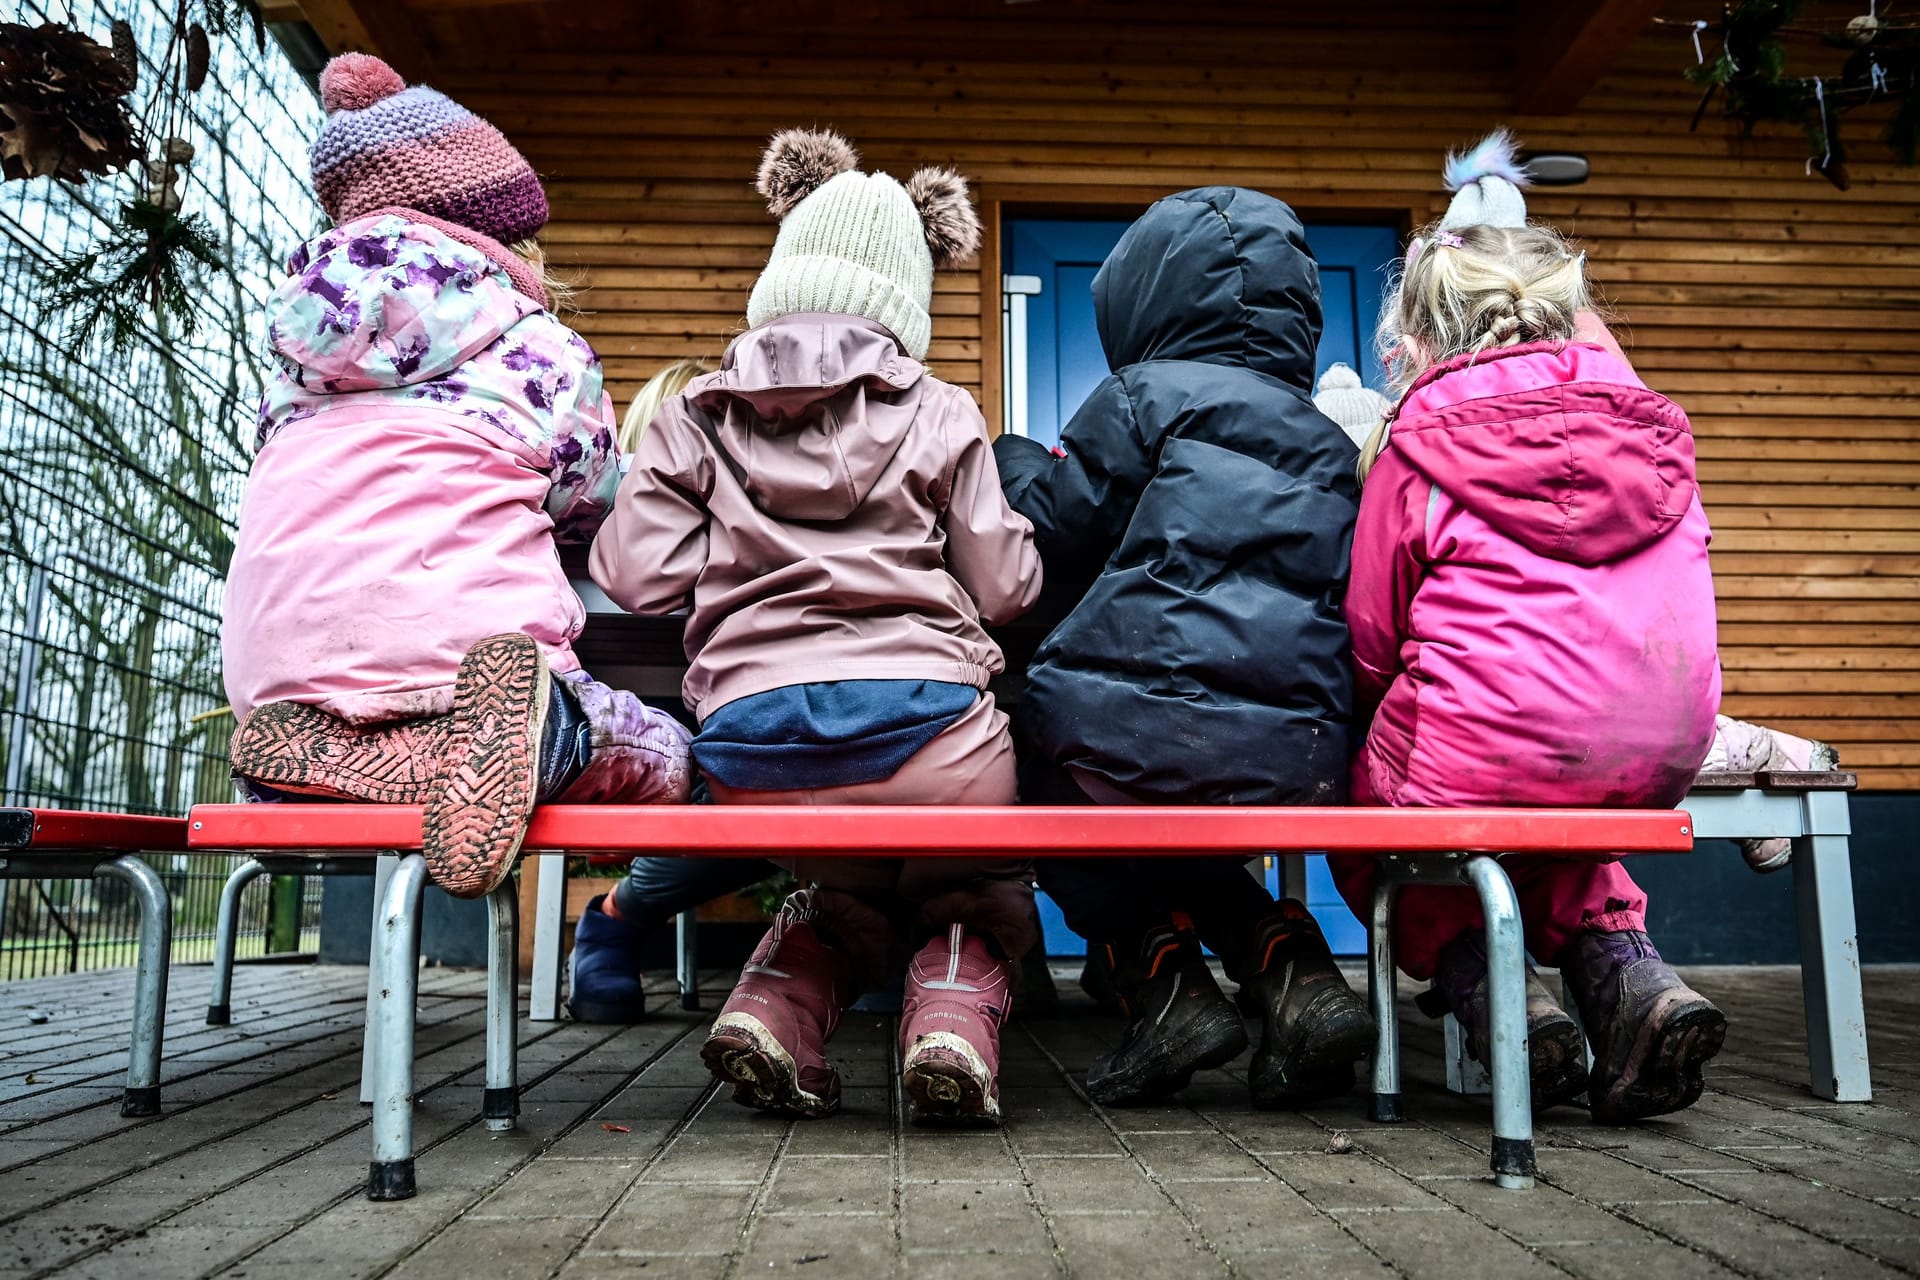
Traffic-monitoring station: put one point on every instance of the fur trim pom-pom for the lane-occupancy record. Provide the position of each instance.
(1494, 156)
(953, 228)
(355, 81)
(798, 163)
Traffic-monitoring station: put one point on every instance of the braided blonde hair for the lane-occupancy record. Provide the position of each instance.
(1474, 290)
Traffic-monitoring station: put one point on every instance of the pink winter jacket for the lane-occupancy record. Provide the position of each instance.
(830, 511)
(1531, 607)
(428, 429)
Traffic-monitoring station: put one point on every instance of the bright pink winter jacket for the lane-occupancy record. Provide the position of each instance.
(1531, 607)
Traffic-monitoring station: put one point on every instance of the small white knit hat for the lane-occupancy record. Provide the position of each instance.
(855, 243)
(1486, 183)
(1355, 407)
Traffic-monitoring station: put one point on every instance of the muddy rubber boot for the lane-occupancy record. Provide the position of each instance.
(770, 1040)
(957, 998)
(1180, 1022)
(1313, 1027)
(606, 985)
(1652, 1034)
(518, 738)
(303, 750)
(1556, 1051)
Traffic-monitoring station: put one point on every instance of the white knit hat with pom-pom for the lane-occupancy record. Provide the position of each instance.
(1486, 183)
(857, 243)
(1354, 407)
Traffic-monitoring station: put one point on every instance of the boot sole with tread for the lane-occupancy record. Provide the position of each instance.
(943, 1081)
(1666, 1067)
(301, 749)
(744, 1055)
(483, 797)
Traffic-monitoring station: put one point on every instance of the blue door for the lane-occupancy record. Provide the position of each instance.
(1064, 361)
(1064, 364)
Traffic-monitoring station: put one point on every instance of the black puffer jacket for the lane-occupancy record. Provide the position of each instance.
(1195, 536)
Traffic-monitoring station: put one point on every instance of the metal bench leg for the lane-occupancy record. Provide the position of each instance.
(549, 925)
(1381, 993)
(1830, 952)
(687, 968)
(225, 936)
(142, 1097)
(396, 974)
(501, 1102)
(1513, 1164)
(382, 876)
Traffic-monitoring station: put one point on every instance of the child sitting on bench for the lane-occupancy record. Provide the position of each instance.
(397, 627)
(1194, 527)
(831, 513)
(1533, 624)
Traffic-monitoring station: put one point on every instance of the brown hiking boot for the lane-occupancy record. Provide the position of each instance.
(293, 747)
(479, 804)
(1556, 1051)
(1652, 1034)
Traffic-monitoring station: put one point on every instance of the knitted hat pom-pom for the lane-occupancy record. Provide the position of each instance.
(1339, 377)
(799, 162)
(355, 81)
(953, 228)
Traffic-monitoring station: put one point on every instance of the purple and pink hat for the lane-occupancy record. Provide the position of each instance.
(386, 146)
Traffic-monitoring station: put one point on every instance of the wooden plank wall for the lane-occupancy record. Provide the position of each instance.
(1783, 315)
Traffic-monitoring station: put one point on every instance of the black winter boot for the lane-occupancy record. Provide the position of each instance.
(1314, 1028)
(1180, 1022)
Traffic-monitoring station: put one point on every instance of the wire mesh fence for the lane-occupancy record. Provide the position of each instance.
(122, 474)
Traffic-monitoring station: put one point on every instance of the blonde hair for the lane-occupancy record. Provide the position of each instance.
(670, 381)
(560, 291)
(1473, 290)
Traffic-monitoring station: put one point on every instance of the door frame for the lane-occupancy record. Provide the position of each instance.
(999, 202)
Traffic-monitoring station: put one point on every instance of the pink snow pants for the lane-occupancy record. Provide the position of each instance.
(1560, 898)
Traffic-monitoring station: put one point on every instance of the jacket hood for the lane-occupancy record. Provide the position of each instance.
(1561, 448)
(1219, 274)
(386, 302)
(807, 410)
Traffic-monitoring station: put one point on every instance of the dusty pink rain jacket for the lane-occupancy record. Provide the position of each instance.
(829, 510)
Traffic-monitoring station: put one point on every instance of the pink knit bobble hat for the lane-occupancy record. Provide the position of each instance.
(387, 146)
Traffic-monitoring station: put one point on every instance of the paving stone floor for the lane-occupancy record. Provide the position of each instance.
(627, 1162)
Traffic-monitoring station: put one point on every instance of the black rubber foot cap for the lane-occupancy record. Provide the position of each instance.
(219, 1015)
(1514, 1156)
(691, 1002)
(141, 1102)
(1386, 1109)
(390, 1179)
(500, 1104)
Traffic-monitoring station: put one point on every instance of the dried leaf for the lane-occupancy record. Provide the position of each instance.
(1339, 1144)
(614, 1128)
(63, 109)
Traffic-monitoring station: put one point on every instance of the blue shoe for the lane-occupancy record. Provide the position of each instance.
(606, 969)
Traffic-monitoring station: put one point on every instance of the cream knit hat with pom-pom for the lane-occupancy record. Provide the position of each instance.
(857, 243)
(1354, 407)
